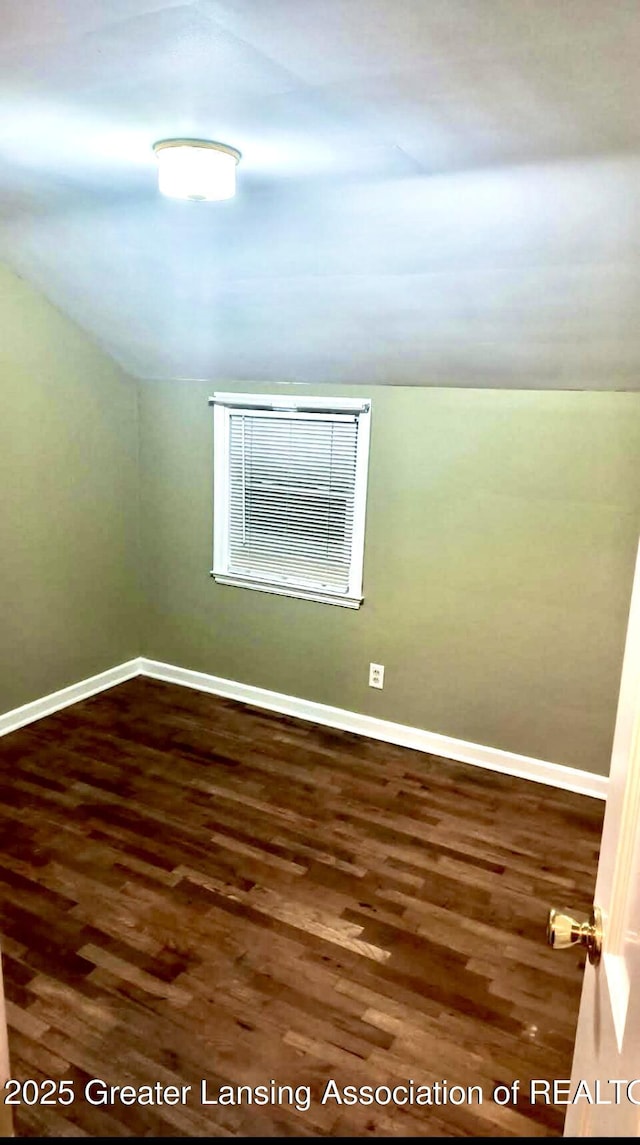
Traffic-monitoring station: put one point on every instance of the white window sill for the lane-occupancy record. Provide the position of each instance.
(281, 590)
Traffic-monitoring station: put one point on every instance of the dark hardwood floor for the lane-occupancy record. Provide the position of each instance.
(192, 889)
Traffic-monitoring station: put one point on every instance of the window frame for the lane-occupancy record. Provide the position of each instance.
(224, 405)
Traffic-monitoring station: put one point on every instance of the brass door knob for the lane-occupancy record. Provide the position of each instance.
(563, 931)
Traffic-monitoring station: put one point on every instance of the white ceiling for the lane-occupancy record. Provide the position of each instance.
(432, 192)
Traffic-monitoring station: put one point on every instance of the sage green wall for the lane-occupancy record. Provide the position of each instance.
(69, 601)
(501, 536)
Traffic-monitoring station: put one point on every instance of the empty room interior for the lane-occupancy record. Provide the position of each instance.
(319, 517)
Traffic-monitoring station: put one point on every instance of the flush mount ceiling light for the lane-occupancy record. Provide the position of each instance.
(196, 169)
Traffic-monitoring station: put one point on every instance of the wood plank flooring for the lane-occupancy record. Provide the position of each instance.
(193, 890)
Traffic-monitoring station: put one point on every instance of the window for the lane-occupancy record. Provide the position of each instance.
(290, 486)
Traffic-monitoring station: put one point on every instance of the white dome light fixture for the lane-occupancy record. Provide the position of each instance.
(196, 169)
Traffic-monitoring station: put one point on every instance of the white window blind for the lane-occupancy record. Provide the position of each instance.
(289, 499)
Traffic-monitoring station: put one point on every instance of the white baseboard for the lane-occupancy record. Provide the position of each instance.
(493, 759)
(37, 709)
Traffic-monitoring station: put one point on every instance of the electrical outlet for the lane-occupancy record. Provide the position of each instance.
(376, 675)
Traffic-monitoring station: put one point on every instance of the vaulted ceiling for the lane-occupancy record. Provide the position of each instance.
(431, 192)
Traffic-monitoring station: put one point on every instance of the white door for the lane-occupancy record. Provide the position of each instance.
(607, 1047)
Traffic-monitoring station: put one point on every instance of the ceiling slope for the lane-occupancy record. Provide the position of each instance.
(432, 192)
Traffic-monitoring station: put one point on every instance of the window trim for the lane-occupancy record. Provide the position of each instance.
(224, 404)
